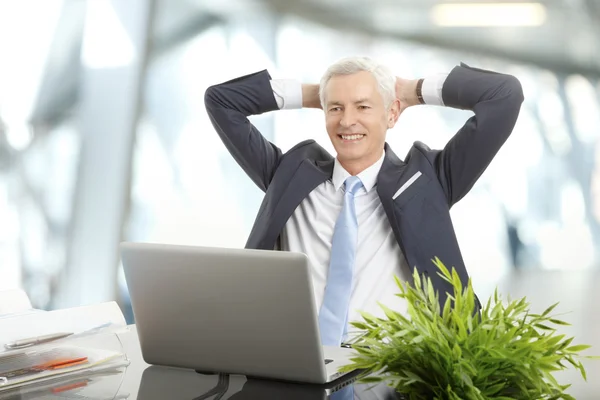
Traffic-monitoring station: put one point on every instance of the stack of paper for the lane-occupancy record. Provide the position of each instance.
(36, 347)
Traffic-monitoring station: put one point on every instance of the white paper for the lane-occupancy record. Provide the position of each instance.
(14, 301)
(72, 320)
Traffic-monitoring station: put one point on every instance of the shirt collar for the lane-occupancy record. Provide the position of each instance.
(368, 177)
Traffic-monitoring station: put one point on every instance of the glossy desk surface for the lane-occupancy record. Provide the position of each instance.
(577, 291)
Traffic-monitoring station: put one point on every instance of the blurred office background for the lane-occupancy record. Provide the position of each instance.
(104, 136)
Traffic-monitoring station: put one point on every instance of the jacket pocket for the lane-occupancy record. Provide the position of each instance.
(415, 185)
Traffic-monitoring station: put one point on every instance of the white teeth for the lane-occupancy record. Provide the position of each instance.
(352, 137)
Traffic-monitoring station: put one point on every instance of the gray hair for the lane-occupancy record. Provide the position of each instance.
(386, 80)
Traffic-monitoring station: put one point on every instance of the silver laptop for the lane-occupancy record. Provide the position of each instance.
(235, 311)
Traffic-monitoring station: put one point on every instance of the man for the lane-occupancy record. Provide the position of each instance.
(365, 215)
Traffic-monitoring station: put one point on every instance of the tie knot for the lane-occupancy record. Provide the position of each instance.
(353, 183)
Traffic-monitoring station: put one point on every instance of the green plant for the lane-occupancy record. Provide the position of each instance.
(503, 352)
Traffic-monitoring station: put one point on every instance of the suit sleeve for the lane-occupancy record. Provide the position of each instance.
(496, 101)
(229, 105)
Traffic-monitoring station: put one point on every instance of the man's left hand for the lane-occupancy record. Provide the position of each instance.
(406, 93)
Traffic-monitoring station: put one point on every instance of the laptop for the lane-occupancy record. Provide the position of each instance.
(234, 311)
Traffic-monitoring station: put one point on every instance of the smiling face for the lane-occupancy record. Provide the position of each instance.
(357, 119)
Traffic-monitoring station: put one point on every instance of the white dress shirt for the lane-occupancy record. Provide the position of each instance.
(310, 228)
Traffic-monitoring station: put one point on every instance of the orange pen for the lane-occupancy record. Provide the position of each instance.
(62, 363)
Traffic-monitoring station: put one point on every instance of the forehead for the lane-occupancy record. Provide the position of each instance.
(348, 87)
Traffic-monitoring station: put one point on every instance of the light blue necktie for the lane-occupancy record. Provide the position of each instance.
(333, 315)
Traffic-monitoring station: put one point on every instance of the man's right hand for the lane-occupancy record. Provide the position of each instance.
(310, 96)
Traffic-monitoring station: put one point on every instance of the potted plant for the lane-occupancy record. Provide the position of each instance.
(454, 353)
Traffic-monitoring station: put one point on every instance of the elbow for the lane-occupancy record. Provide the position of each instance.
(517, 96)
(210, 96)
(215, 99)
(509, 94)
(515, 89)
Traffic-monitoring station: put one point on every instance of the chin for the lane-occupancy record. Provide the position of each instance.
(350, 155)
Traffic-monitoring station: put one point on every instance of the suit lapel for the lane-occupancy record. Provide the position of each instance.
(392, 176)
(307, 177)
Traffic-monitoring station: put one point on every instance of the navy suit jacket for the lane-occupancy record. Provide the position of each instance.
(416, 193)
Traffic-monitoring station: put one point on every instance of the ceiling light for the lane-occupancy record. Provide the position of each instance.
(488, 14)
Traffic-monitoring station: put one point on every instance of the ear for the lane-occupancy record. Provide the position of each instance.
(393, 113)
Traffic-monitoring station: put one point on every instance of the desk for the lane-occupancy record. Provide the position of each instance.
(577, 292)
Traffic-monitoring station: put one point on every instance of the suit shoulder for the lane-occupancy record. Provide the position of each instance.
(420, 150)
(422, 147)
(301, 146)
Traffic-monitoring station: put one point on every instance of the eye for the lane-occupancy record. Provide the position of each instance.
(362, 107)
(335, 109)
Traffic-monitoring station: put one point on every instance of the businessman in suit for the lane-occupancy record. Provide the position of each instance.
(365, 215)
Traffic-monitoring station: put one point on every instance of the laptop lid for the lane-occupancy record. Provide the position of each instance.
(237, 311)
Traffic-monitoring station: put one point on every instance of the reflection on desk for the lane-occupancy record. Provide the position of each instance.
(177, 384)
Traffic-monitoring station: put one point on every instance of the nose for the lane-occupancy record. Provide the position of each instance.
(348, 119)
